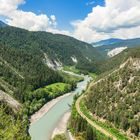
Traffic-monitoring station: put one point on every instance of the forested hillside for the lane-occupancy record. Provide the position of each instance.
(113, 102)
(58, 49)
(81, 130)
(28, 63)
(27, 58)
(21, 70)
(116, 98)
(12, 126)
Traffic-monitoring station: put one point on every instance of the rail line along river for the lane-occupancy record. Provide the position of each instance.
(42, 129)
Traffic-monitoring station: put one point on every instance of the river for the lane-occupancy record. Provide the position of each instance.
(42, 129)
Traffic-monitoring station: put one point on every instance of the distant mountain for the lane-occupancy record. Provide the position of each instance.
(106, 42)
(2, 24)
(115, 61)
(129, 43)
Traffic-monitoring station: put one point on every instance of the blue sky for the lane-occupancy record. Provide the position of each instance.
(65, 11)
(87, 20)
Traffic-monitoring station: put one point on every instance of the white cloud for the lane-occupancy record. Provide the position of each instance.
(7, 7)
(53, 19)
(27, 20)
(116, 19)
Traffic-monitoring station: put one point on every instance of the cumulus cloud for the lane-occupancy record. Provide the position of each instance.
(116, 19)
(27, 20)
(8, 6)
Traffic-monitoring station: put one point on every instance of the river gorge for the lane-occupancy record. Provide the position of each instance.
(43, 127)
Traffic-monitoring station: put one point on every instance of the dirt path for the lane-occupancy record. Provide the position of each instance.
(86, 118)
(90, 121)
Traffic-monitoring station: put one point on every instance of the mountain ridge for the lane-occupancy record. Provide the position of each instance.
(106, 42)
(2, 24)
(129, 43)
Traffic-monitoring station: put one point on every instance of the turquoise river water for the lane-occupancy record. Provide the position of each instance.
(43, 128)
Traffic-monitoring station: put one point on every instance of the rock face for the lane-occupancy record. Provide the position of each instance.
(116, 51)
(14, 104)
(74, 59)
(133, 63)
(53, 64)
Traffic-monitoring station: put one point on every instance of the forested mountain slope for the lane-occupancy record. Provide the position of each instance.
(116, 98)
(12, 125)
(28, 59)
(19, 70)
(58, 49)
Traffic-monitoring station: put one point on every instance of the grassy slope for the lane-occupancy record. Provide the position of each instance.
(68, 78)
(56, 89)
(37, 98)
(112, 130)
(72, 69)
(78, 126)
